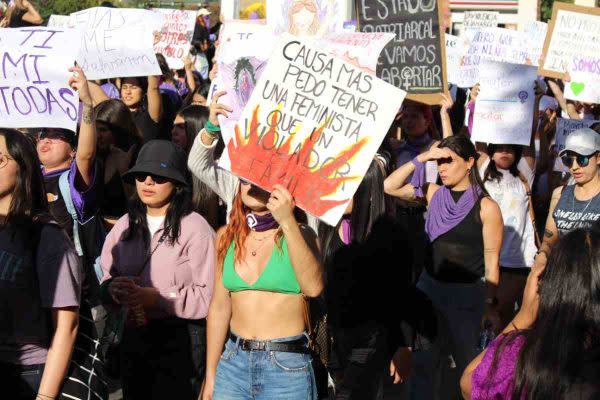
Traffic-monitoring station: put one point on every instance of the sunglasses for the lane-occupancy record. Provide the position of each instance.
(53, 136)
(245, 182)
(582, 161)
(156, 179)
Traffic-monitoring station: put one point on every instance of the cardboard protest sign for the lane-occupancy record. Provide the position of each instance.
(574, 31)
(313, 124)
(535, 32)
(175, 35)
(564, 127)
(61, 21)
(243, 56)
(117, 42)
(35, 76)
(504, 107)
(415, 60)
(359, 49)
(306, 17)
(475, 20)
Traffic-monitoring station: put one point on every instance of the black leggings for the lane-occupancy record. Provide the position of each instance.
(163, 360)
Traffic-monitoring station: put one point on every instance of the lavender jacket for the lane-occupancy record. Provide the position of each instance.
(183, 273)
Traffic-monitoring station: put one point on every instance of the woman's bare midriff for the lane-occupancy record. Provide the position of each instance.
(266, 315)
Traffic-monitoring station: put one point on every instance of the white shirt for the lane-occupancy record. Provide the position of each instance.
(518, 246)
(154, 223)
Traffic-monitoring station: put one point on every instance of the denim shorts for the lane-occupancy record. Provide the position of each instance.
(264, 375)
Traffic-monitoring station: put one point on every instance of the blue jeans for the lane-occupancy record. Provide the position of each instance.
(264, 375)
(23, 380)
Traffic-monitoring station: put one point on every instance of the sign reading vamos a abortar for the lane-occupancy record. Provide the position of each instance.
(415, 60)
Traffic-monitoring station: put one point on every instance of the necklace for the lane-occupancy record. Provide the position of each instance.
(586, 206)
(261, 241)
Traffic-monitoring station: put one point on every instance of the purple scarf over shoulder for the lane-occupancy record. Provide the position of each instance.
(443, 213)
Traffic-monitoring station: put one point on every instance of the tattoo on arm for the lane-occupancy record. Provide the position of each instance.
(548, 233)
(86, 114)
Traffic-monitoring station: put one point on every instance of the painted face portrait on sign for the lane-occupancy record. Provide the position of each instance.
(302, 19)
(245, 80)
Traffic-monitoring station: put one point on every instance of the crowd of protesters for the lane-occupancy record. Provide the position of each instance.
(128, 255)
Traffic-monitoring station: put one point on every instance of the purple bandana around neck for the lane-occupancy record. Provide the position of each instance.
(261, 223)
(346, 231)
(444, 213)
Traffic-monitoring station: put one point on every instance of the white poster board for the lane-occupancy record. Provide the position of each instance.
(61, 21)
(117, 42)
(499, 44)
(535, 32)
(312, 128)
(175, 35)
(584, 85)
(504, 107)
(306, 18)
(357, 48)
(475, 20)
(455, 51)
(564, 127)
(34, 78)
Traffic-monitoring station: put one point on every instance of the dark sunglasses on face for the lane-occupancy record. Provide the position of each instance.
(582, 161)
(245, 182)
(156, 179)
(52, 135)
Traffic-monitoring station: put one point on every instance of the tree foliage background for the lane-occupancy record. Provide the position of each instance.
(546, 8)
(62, 7)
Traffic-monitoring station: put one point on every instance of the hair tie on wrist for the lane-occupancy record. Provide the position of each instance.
(211, 128)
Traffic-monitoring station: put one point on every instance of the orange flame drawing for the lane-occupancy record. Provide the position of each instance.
(265, 159)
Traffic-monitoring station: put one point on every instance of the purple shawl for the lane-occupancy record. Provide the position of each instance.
(443, 212)
(499, 384)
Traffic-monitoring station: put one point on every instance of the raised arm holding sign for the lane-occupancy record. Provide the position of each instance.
(312, 124)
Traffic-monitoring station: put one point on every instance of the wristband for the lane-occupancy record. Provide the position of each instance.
(211, 128)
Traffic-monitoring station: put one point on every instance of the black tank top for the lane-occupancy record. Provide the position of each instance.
(457, 255)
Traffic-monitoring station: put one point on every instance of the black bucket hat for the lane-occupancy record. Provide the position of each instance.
(160, 158)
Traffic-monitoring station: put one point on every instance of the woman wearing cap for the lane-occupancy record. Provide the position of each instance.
(574, 206)
(158, 263)
(267, 262)
(464, 227)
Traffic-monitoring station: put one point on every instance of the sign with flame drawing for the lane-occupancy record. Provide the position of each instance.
(313, 124)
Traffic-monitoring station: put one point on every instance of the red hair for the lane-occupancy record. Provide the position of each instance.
(236, 231)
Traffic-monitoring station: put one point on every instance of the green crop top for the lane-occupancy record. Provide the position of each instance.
(278, 275)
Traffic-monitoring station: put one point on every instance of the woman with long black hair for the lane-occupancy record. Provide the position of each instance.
(551, 349)
(40, 279)
(361, 282)
(464, 227)
(188, 124)
(158, 263)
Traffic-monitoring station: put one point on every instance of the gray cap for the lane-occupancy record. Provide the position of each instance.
(584, 141)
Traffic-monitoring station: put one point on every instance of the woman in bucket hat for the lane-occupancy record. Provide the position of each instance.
(158, 264)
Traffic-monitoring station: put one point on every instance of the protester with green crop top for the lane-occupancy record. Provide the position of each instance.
(267, 262)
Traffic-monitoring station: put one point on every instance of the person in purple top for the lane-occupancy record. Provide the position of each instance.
(551, 349)
(60, 151)
(40, 280)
